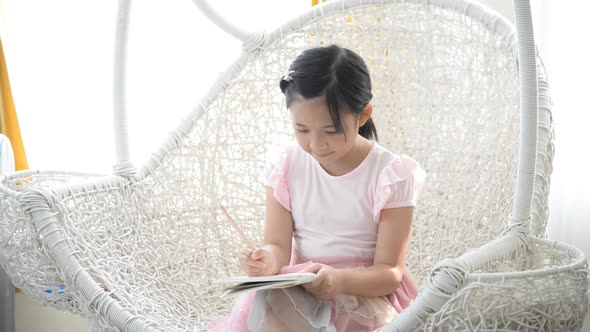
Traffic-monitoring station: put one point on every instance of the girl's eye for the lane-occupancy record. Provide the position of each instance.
(332, 132)
(302, 130)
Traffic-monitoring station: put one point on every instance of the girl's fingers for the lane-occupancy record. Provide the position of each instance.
(255, 264)
(315, 283)
(254, 261)
(252, 267)
(257, 254)
(246, 252)
(311, 287)
(319, 278)
(313, 268)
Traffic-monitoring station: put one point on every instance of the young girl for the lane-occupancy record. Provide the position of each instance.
(338, 205)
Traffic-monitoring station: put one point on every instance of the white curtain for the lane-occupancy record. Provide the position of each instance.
(563, 28)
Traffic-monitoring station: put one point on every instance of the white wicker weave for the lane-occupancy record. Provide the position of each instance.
(137, 250)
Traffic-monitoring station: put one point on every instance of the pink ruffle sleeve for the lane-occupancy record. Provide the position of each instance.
(399, 185)
(275, 173)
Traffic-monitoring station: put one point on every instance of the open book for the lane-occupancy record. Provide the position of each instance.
(239, 285)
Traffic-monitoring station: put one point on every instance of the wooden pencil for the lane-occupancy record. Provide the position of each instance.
(241, 233)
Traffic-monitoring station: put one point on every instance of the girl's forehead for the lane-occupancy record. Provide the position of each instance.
(314, 109)
(315, 103)
(314, 112)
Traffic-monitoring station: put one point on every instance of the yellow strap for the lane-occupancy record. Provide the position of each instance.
(8, 119)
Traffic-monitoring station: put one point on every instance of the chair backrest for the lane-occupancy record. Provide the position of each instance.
(445, 93)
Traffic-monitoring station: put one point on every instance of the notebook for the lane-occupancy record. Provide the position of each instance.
(237, 285)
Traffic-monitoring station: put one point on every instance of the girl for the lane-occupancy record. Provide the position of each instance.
(338, 205)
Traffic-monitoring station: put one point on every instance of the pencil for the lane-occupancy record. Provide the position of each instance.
(241, 233)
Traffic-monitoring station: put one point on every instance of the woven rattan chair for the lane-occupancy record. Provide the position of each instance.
(138, 250)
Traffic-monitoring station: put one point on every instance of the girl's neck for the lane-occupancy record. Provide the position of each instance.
(352, 160)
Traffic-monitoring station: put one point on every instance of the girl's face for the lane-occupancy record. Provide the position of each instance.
(316, 134)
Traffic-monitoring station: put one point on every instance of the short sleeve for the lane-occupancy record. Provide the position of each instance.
(275, 173)
(399, 184)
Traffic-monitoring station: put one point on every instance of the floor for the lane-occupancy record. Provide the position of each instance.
(49, 319)
(31, 317)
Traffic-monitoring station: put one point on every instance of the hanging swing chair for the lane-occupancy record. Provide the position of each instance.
(138, 250)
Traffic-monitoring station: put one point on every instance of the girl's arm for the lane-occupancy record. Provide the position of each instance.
(390, 257)
(381, 279)
(276, 251)
(278, 232)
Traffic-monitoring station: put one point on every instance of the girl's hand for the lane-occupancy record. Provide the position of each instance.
(326, 283)
(257, 262)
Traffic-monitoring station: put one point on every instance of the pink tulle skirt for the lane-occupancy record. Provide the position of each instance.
(299, 311)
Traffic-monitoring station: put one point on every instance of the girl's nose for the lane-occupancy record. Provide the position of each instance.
(318, 143)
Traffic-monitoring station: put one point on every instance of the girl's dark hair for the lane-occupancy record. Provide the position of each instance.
(337, 73)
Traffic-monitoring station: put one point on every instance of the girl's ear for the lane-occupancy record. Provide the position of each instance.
(365, 114)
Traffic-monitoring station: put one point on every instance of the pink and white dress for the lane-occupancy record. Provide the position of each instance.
(335, 222)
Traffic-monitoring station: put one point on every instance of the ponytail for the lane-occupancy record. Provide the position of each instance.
(368, 130)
